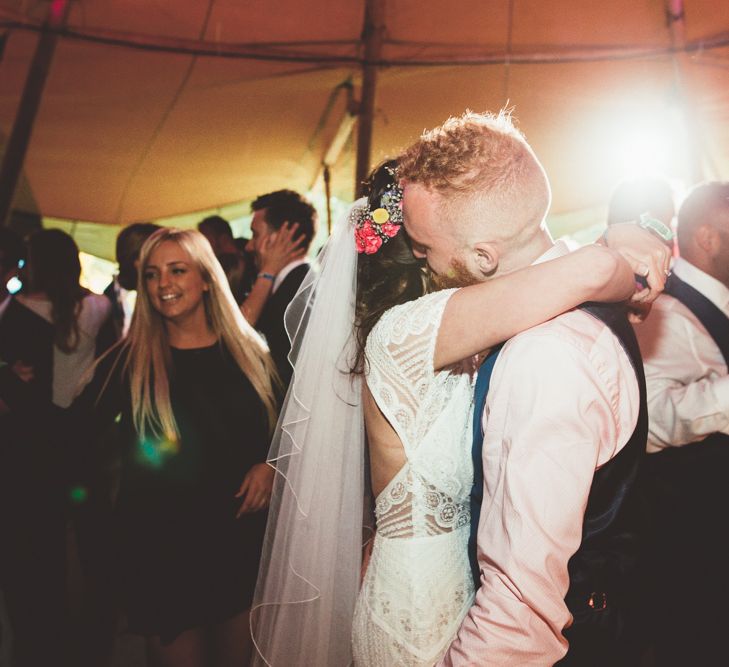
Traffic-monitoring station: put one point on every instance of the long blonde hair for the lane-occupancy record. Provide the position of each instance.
(149, 359)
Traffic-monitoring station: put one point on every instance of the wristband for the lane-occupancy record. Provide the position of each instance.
(662, 231)
(266, 276)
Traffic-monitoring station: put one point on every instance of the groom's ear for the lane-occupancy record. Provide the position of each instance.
(487, 258)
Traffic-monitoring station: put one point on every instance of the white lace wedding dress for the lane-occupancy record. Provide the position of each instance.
(418, 585)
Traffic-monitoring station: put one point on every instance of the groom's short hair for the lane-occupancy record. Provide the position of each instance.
(481, 159)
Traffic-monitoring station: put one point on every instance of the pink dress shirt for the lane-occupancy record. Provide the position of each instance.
(563, 401)
(685, 372)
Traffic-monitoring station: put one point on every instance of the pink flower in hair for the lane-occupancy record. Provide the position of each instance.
(390, 230)
(371, 239)
(359, 240)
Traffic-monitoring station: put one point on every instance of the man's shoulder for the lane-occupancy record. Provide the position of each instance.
(290, 284)
(671, 332)
(574, 342)
(576, 329)
(575, 354)
(297, 273)
(668, 309)
(668, 314)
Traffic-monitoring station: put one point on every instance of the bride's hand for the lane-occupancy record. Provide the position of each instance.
(647, 255)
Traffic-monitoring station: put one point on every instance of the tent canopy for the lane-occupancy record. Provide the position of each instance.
(159, 108)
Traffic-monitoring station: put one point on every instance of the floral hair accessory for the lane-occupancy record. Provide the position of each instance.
(373, 227)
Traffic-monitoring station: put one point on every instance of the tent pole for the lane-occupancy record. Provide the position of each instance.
(17, 144)
(334, 150)
(372, 36)
(328, 191)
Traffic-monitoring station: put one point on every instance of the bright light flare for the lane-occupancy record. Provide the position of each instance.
(14, 285)
(644, 144)
(643, 151)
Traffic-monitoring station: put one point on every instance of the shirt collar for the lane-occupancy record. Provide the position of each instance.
(281, 275)
(710, 287)
(558, 249)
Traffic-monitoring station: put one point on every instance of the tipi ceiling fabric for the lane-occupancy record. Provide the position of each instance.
(155, 108)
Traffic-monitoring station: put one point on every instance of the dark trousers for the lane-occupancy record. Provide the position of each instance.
(687, 568)
(604, 637)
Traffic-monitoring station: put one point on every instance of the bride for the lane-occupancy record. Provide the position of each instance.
(382, 399)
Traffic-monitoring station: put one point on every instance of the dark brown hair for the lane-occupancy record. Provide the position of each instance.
(285, 206)
(387, 278)
(129, 243)
(55, 269)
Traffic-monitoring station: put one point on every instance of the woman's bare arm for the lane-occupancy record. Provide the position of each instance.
(480, 316)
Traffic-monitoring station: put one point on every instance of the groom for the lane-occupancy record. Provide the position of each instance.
(563, 428)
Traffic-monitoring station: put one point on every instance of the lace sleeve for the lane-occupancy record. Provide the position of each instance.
(399, 355)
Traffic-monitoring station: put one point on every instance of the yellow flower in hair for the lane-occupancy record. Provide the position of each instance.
(380, 216)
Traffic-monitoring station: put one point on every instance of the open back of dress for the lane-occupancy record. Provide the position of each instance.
(418, 585)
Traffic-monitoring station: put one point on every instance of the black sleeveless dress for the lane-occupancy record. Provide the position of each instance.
(183, 559)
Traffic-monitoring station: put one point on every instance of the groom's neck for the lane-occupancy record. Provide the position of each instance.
(524, 254)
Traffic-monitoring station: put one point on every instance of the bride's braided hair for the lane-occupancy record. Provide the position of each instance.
(386, 278)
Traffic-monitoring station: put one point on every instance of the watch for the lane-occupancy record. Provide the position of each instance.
(662, 231)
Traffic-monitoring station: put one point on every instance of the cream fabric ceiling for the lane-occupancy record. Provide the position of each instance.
(155, 108)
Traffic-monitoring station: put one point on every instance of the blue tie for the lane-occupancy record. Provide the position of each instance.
(479, 403)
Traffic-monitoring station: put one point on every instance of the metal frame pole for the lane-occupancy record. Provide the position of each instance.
(19, 139)
(372, 36)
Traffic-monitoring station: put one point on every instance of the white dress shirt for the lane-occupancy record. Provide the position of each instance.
(686, 375)
(563, 401)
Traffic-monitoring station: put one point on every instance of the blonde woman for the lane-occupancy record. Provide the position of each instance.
(195, 388)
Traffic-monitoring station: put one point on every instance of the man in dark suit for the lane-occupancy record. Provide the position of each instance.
(129, 243)
(685, 347)
(238, 264)
(283, 227)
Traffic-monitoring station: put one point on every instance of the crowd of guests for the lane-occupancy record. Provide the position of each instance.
(142, 434)
(148, 431)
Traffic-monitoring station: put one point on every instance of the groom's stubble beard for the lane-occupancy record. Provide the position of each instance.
(457, 275)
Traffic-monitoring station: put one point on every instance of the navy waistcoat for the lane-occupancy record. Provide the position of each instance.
(606, 559)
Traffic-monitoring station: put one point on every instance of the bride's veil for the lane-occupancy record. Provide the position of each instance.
(309, 576)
